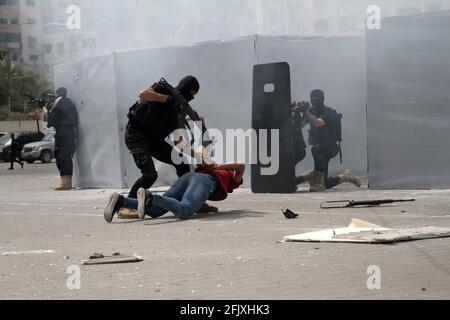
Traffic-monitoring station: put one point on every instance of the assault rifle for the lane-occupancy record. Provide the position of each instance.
(186, 109)
(352, 203)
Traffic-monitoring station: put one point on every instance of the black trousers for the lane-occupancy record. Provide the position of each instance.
(322, 154)
(14, 158)
(64, 161)
(143, 153)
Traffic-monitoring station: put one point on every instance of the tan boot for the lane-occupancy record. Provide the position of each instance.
(206, 208)
(65, 184)
(127, 214)
(59, 186)
(349, 176)
(306, 177)
(317, 182)
(309, 176)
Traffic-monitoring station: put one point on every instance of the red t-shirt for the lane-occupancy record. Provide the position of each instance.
(225, 183)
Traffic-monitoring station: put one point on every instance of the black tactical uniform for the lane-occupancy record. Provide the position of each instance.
(149, 125)
(324, 140)
(63, 116)
(14, 152)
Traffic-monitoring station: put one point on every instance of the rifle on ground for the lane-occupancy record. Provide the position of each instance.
(352, 203)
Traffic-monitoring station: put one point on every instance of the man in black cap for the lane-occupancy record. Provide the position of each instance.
(323, 137)
(63, 116)
(151, 121)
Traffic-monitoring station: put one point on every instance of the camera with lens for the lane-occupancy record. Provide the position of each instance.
(47, 100)
(302, 106)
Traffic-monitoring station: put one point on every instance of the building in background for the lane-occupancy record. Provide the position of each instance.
(21, 31)
(37, 29)
(59, 44)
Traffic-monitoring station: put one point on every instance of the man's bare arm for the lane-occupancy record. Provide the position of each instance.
(182, 144)
(149, 95)
(304, 106)
(316, 122)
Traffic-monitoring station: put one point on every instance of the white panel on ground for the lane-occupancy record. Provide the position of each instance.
(363, 232)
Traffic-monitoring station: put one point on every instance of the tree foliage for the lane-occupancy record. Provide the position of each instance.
(19, 89)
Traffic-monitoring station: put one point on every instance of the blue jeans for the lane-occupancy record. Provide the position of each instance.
(183, 199)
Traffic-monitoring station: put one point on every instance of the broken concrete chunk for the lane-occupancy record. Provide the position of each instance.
(96, 256)
(100, 259)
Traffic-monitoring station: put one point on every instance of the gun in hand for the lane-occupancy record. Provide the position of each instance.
(186, 108)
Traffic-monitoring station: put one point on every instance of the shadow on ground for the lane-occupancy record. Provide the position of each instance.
(223, 215)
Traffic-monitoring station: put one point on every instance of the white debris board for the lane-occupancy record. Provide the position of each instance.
(364, 232)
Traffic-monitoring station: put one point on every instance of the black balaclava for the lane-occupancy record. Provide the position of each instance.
(187, 84)
(61, 92)
(318, 98)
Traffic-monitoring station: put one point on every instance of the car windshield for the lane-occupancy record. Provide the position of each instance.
(6, 139)
(49, 137)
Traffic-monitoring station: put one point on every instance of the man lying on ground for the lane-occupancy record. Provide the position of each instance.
(186, 196)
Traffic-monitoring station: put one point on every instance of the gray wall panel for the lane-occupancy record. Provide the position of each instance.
(109, 85)
(409, 102)
(91, 86)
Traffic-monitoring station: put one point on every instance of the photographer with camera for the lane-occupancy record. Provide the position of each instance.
(324, 137)
(63, 116)
(158, 114)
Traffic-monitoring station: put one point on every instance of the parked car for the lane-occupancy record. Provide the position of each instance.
(42, 150)
(3, 133)
(23, 138)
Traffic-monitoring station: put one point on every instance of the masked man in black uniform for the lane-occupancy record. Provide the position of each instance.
(151, 121)
(323, 138)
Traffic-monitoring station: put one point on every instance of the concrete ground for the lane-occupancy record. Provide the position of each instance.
(235, 254)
